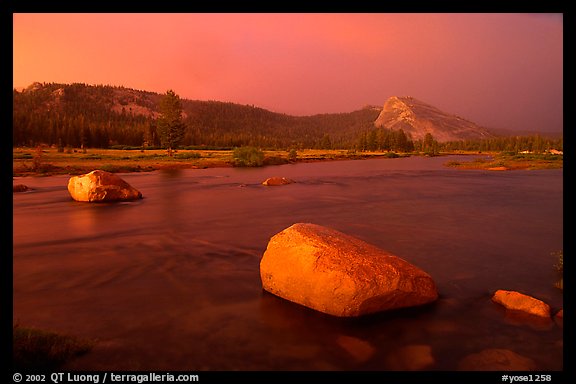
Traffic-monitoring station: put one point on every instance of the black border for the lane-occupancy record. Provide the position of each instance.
(413, 6)
(105, 6)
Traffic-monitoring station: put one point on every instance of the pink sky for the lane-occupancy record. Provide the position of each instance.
(498, 70)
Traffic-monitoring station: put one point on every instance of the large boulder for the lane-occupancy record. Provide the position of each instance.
(517, 301)
(340, 275)
(101, 186)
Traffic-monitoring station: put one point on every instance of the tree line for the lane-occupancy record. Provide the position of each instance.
(79, 115)
(532, 143)
(102, 116)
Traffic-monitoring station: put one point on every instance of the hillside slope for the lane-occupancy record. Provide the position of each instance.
(99, 116)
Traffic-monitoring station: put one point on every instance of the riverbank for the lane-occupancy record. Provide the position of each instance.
(48, 161)
(511, 161)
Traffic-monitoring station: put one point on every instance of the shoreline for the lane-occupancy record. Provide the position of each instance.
(29, 162)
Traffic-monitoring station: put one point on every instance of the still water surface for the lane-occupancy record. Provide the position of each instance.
(171, 282)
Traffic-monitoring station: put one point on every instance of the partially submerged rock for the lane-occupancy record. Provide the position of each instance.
(559, 318)
(359, 349)
(19, 188)
(340, 275)
(526, 319)
(101, 186)
(560, 314)
(519, 302)
(410, 358)
(274, 181)
(496, 360)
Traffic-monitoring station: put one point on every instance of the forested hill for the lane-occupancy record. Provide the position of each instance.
(100, 116)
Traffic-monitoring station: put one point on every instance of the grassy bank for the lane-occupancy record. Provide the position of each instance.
(48, 161)
(40, 349)
(510, 161)
(29, 161)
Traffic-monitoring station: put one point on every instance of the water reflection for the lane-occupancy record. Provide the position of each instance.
(172, 281)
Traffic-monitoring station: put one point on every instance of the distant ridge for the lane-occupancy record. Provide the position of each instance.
(103, 116)
(418, 118)
(107, 115)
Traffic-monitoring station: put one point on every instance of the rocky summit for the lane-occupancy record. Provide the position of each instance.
(337, 274)
(417, 118)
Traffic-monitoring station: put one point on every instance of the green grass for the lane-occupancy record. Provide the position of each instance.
(188, 155)
(248, 157)
(23, 156)
(40, 349)
(511, 161)
(124, 168)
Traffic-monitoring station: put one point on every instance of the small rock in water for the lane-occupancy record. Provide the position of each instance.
(275, 181)
(560, 314)
(496, 360)
(410, 358)
(559, 318)
(519, 302)
(19, 188)
(359, 349)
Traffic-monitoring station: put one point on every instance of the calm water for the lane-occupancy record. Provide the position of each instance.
(172, 282)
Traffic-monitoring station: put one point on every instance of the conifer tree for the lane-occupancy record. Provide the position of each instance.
(170, 125)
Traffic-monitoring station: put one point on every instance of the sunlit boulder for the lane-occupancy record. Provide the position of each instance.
(340, 275)
(101, 186)
(517, 301)
(275, 181)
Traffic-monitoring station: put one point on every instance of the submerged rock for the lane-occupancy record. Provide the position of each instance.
(101, 186)
(19, 188)
(520, 318)
(340, 275)
(519, 302)
(274, 181)
(410, 358)
(560, 314)
(496, 360)
(359, 349)
(559, 318)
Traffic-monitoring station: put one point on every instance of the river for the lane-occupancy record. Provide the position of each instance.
(171, 282)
